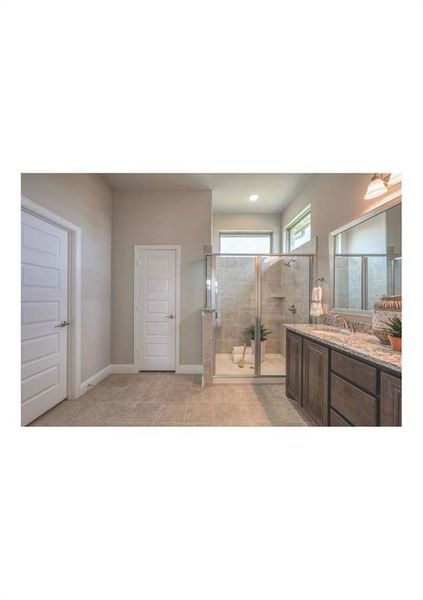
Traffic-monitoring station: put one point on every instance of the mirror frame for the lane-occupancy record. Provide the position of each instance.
(393, 199)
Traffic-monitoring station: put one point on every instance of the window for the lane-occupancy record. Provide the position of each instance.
(298, 231)
(246, 242)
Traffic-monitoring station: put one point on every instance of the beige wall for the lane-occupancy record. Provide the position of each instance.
(141, 217)
(86, 201)
(336, 199)
(246, 222)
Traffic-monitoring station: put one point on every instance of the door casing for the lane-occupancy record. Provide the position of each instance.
(137, 314)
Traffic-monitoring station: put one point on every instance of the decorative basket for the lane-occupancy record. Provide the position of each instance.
(385, 308)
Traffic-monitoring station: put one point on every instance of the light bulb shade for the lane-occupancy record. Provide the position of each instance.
(394, 178)
(375, 188)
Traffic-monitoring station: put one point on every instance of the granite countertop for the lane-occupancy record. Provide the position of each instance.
(362, 345)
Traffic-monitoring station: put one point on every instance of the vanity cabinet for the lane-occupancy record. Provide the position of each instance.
(390, 400)
(353, 404)
(337, 389)
(315, 381)
(294, 361)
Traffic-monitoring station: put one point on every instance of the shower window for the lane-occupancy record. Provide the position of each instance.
(246, 242)
(298, 232)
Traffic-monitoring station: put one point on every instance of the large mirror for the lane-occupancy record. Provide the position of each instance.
(366, 260)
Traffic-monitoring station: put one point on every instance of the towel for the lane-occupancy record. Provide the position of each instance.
(316, 308)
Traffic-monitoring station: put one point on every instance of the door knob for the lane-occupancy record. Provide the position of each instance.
(170, 316)
(62, 324)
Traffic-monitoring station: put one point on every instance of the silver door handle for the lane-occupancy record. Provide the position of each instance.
(170, 316)
(62, 324)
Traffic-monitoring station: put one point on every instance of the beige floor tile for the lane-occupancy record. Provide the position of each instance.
(167, 399)
(61, 415)
(199, 412)
(145, 412)
(99, 412)
(171, 412)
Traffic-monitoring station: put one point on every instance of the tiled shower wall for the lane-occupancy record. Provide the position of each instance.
(281, 287)
(295, 283)
(271, 302)
(235, 302)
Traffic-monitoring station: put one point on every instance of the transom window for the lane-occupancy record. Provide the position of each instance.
(298, 232)
(245, 242)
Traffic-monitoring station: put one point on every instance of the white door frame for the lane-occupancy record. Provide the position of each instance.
(74, 290)
(137, 299)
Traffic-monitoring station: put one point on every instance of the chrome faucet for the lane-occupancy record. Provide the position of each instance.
(347, 326)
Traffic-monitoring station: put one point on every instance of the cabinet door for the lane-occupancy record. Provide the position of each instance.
(315, 381)
(390, 400)
(293, 366)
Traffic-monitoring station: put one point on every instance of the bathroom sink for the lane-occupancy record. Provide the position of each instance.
(332, 331)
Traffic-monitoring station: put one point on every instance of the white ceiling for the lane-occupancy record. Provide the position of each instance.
(230, 191)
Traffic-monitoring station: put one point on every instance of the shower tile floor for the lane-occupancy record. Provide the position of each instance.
(166, 399)
(273, 365)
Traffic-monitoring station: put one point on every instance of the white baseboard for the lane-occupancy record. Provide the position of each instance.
(123, 369)
(190, 369)
(94, 379)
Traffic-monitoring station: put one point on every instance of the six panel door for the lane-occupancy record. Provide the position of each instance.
(157, 321)
(44, 304)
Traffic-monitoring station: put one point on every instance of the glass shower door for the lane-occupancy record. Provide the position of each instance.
(235, 303)
(284, 298)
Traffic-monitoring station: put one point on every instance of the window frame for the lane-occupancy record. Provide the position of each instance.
(303, 213)
(246, 234)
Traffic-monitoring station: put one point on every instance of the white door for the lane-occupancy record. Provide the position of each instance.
(44, 303)
(157, 310)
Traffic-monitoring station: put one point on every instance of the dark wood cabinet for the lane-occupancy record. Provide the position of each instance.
(338, 389)
(315, 381)
(294, 344)
(390, 400)
(358, 407)
(356, 371)
(336, 420)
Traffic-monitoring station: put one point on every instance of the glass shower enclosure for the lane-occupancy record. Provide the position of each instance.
(255, 293)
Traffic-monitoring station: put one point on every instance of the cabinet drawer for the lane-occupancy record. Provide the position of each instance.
(337, 421)
(356, 406)
(355, 370)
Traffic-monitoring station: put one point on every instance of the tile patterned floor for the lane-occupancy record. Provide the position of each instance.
(163, 399)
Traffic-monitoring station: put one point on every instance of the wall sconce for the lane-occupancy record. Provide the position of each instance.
(380, 184)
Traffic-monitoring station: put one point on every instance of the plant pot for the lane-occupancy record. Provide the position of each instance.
(396, 343)
(387, 306)
(262, 349)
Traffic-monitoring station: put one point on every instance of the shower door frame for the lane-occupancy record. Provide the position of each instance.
(257, 377)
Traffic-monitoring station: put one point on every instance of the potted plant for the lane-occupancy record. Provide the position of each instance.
(250, 333)
(394, 333)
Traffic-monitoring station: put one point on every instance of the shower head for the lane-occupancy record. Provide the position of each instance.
(288, 264)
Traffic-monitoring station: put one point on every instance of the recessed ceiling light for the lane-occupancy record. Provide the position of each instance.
(254, 197)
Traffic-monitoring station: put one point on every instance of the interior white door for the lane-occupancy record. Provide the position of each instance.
(157, 280)
(44, 304)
